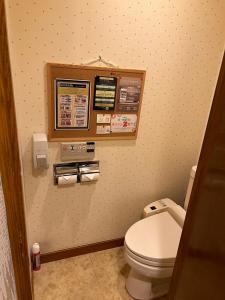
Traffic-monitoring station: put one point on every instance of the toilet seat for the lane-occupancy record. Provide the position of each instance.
(154, 240)
(147, 270)
(148, 262)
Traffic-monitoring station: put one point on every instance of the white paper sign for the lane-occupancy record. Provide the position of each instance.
(123, 123)
(103, 129)
(103, 118)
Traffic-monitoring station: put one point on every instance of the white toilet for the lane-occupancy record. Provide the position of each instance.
(151, 246)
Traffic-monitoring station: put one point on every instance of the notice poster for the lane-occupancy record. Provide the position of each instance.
(103, 129)
(72, 104)
(102, 118)
(123, 123)
(105, 93)
(129, 94)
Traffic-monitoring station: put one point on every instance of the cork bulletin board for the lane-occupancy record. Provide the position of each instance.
(93, 103)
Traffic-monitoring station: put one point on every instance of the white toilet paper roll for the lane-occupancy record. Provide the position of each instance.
(63, 180)
(89, 177)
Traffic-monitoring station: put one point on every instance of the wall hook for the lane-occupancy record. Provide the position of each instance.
(100, 59)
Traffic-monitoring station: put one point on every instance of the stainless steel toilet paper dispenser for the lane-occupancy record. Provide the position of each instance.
(67, 173)
(89, 172)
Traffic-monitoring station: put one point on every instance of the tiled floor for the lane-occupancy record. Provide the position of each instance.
(96, 276)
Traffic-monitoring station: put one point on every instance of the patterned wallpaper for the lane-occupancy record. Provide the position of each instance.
(179, 43)
(7, 282)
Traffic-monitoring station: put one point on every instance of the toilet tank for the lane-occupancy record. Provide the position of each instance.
(190, 184)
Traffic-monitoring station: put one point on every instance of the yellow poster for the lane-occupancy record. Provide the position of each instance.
(105, 93)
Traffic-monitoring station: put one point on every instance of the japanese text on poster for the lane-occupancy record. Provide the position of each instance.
(129, 94)
(103, 129)
(123, 123)
(105, 93)
(72, 98)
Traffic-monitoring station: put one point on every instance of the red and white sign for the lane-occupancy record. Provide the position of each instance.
(123, 123)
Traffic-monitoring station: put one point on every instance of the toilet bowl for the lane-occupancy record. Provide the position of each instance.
(151, 246)
(150, 249)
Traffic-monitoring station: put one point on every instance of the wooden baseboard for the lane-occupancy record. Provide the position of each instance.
(70, 252)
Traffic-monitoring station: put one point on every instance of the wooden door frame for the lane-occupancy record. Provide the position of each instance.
(214, 133)
(10, 169)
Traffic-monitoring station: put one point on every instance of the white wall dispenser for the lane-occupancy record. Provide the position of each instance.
(40, 151)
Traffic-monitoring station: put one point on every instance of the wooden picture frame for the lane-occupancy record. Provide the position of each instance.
(87, 73)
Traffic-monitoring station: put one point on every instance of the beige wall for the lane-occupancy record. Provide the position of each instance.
(180, 44)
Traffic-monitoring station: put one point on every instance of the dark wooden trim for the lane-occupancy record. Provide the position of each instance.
(10, 170)
(70, 252)
(199, 266)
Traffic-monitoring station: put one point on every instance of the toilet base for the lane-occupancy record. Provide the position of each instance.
(144, 288)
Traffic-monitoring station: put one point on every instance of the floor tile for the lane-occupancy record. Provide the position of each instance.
(67, 279)
(111, 272)
(96, 276)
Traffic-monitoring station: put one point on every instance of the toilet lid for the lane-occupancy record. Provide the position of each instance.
(155, 238)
